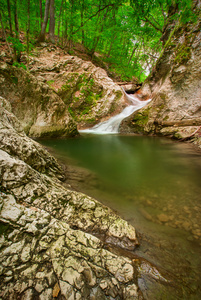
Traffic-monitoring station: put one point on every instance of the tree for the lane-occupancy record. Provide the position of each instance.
(41, 13)
(52, 22)
(49, 14)
(45, 20)
(9, 18)
(16, 19)
(129, 34)
(28, 26)
(3, 29)
(59, 19)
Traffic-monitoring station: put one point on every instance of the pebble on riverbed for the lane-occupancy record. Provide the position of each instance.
(163, 218)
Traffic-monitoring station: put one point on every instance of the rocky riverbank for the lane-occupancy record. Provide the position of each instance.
(53, 240)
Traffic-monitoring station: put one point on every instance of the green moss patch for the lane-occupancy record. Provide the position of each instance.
(183, 54)
(81, 93)
(140, 120)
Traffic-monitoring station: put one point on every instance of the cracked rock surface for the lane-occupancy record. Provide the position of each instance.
(91, 96)
(42, 257)
(52, 240)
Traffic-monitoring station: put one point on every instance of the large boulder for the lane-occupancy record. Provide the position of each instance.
(40, 110)
(89, 94)
(15, 142)
(174, 85)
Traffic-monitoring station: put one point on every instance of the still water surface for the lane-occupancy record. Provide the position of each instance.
(155, 184)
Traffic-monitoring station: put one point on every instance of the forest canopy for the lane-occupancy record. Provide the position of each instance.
(127, 35)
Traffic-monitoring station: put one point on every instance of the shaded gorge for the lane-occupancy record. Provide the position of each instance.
(154, 183)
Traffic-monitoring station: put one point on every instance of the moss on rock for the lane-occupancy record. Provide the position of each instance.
(81, 92)
(36, 105)
(183, 54)
(140, 120)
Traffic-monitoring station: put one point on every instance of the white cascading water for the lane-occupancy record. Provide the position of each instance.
(112, 125)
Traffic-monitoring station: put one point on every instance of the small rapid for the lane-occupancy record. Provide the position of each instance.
(111, 126)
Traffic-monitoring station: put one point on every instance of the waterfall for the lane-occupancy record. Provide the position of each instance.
(112, 125)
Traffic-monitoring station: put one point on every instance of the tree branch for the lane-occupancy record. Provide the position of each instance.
(153, 25)
(155, 21)
(100, 9)
(153, 56)
(191, 134)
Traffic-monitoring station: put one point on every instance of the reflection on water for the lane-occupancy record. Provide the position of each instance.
(154, 184)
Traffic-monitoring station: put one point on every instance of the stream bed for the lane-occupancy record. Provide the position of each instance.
(153, 183)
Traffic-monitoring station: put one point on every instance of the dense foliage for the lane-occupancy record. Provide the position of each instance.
(126, 34)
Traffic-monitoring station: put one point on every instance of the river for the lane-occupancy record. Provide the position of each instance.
(154, 183)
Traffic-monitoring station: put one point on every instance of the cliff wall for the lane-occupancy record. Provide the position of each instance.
(174, 86)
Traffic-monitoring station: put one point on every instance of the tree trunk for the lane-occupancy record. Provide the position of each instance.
(2, 26)
(59, 21)
(96, 40)
(16, 19)
(65, 26)
(82, 21)
(134, 49)
(65, 35)
(114, 36)
(41, 13)
(70, 38)
(111, 44)
(17, 53)
(28, 29)
(11, 30)
(45, 20)
(52, 22)
(9, 18)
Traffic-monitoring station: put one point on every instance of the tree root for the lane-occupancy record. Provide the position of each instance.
(188, 137)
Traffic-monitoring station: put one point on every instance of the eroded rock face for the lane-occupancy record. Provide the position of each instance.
(48, 247)
(40, 110)
(175, 87)
(15, 142)
(87, 91)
